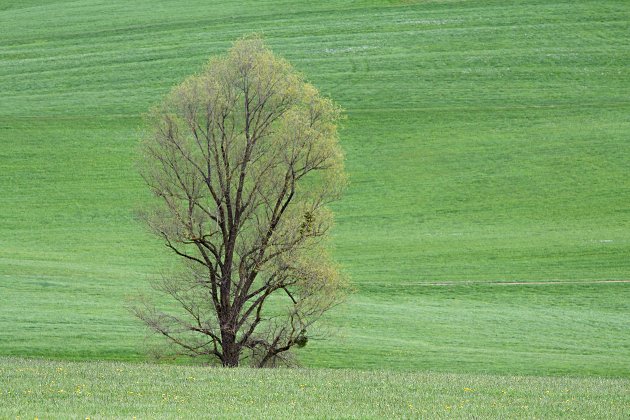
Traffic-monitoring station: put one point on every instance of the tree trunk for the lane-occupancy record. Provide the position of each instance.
(231, 350)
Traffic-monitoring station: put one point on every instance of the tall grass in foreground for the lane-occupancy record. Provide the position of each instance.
(48, 389)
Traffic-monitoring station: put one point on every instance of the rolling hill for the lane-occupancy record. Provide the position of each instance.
(488, 152)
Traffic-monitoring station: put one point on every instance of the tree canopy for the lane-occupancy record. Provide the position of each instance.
(243, 159)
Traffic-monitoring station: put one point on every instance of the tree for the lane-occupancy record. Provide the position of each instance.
(243, 159)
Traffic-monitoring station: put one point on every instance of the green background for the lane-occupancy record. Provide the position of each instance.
(486, 142)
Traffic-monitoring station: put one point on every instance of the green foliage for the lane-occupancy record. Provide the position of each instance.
(302, 339)
(486, 141)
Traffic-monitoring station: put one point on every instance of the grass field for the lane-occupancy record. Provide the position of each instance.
(486, 141)
(95, 390)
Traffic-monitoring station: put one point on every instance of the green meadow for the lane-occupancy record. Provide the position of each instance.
(49, 389)
(485, 228)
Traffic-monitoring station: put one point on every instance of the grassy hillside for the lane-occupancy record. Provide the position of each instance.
(486, 141)
(96, 390)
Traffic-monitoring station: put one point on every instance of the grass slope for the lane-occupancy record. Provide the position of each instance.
(95, 390)
(486, 141)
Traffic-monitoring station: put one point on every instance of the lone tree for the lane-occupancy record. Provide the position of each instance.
(243, 159)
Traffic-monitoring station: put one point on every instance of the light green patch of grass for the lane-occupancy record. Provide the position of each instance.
(61, 389)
